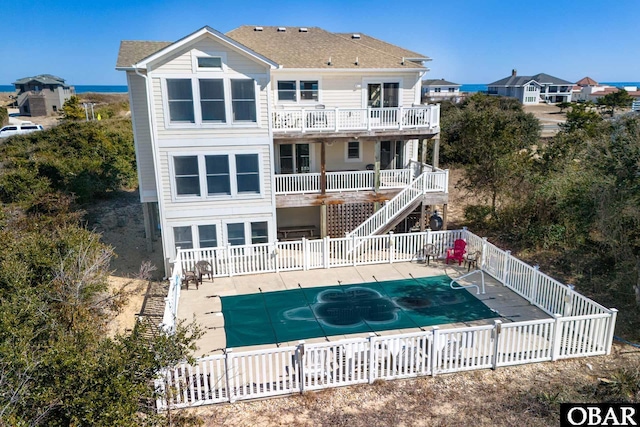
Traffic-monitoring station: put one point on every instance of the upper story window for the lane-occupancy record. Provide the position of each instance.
(452, 89)
(210, 101)
(531, 88)
(212, 62)
(243, 97)
(294, 90)
(216, 175)
(438, 89)
(553, 89)
(180, 96)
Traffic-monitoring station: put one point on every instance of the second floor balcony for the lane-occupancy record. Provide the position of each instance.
(422, 119)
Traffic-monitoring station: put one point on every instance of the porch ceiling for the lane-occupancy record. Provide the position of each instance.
(393, 134)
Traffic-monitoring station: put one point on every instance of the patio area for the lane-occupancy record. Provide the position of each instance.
(205, 303)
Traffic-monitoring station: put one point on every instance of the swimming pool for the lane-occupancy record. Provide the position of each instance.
(296, 314)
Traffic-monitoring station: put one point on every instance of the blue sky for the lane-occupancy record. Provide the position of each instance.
(469, 41)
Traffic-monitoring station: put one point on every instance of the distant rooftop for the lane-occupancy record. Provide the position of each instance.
(438, 82)
(299, 47)
(541, 78)
(47, 79)
(587, 81)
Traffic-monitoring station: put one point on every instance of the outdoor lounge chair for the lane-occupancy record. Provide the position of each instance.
(204, 267)
(457, 252)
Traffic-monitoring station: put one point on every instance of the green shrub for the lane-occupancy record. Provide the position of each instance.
(4, 116)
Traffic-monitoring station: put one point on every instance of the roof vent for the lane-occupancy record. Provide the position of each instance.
(355, 36)
(282, 29)
(303, 30)
(257, 29)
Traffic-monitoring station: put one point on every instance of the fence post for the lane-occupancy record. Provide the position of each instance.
(505, 268)
(305, 254)
(392, 244)
(483, 255)
(372, 349)
(230, 263)
(534, 284)
(228, 366)
(557, 337)
(353, 248)
(568, 300)
(497, 324)
(435, 351)
(336, 118)
(325, 252)
(401, 117)
(276, 254)
(300, 357)
(611, 330)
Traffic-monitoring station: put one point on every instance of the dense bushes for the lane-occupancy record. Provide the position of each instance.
(85, 159)
(4, 116)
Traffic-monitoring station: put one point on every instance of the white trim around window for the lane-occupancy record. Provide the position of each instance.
(297, 81)
(221, 231)
(197, 106)
(233, 176)
(195, 54)
(348, 159)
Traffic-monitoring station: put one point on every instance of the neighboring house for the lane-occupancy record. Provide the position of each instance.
(587, 89)
(533, 89)
(42, 95)
(269, 133)
(434, 90)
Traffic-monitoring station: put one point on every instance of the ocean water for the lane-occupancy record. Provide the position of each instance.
(471, 88)
(82, 88)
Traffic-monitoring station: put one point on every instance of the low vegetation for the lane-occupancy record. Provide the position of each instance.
(58, 365)
(570, 203)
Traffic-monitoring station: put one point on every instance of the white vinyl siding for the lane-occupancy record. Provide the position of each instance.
(142, 138)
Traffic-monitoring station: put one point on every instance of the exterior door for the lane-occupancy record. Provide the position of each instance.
(383, 95)
(391, 154)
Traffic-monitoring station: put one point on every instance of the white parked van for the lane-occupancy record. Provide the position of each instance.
(19, 129)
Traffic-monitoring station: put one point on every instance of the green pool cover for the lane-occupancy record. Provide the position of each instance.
(292, 315)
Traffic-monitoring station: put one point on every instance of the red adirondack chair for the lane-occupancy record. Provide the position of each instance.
(457, 252)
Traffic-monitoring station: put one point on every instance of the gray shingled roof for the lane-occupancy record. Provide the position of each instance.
(541, 78)
(41, 78)
(132, 52)
(313, 49)
(438, 82)
(295, 49)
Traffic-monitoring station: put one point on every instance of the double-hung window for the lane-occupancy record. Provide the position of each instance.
(294, 90)
(182, 237)
(216, 175)
(218, 178)
(180, 96)
(187, 175)
(208, 237)
(212, 99)
(243, 100)
(353, 151)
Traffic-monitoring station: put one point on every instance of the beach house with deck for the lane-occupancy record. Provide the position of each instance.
(274, 133)
(531, 90)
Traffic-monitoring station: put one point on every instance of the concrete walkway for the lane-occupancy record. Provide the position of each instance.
(204, 305)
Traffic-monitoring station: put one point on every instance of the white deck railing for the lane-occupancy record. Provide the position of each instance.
(577, 326)
(309, 183)
(351, 119)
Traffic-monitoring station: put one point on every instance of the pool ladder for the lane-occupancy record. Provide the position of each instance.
(454, 281)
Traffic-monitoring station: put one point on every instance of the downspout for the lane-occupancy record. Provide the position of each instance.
(156, 166)
(274, 231)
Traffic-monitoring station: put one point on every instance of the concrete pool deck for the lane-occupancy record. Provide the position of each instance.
(204, 305)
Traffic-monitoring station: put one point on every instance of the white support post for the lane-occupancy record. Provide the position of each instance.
(534, 284)
(435, 350)
(400, 118)
(568, 300)
(611, 330)
(325, 252)
(373, 373)
(228, 371)
(230, 263)
(368, 118)
(392, 244)
(305, 254)
(335, 119)
(276, 254)
(300, 358)
(557, 336)
(353, 248)
(497, 325)
(483, 255)
(505, 267)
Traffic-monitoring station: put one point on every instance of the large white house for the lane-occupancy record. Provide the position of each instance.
(533, 89)
(269, 133)
(435, 90)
